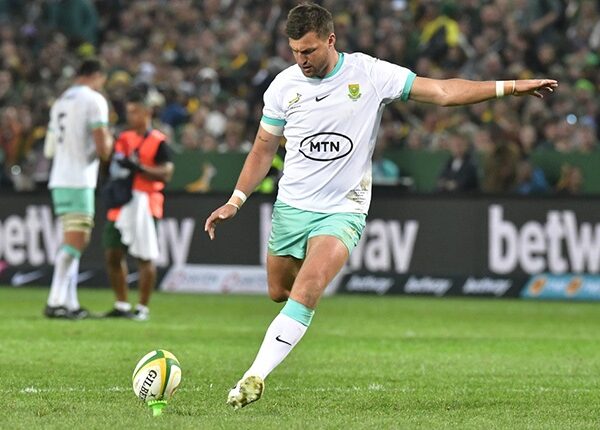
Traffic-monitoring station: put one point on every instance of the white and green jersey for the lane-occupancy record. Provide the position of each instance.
(331, 126)
(73, 117)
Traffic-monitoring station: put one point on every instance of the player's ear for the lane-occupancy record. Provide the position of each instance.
(331, 40)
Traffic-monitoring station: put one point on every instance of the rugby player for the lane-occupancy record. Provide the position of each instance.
(77, 138)
(328, 108)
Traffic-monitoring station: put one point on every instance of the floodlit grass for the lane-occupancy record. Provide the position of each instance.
(365, 363)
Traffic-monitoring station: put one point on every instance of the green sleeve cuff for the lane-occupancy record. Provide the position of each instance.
(98, 124)
(273, 121)
(408, 86)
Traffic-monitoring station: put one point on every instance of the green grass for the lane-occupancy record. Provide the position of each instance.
(365, 363)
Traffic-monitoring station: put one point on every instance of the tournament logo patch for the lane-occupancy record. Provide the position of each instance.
(354, 91)
(295, 99)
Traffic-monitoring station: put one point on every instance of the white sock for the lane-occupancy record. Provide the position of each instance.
(60, 278)
(141, 308)
(122, 306)
(72, 300)
(282, 335)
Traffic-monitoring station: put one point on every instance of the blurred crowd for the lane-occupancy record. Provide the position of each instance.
(206, 64)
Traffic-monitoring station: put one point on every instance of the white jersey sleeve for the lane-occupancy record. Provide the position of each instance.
(390, 80)
(273, 111)
(97, 111)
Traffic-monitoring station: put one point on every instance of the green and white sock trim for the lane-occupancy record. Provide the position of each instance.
(71, 250)
(298, 312)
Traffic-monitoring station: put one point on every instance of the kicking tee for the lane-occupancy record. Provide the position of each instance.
(331, 126)
(73, 117)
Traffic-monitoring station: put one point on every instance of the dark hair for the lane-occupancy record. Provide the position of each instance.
(307, 17)
(89, 67)
(138, 95)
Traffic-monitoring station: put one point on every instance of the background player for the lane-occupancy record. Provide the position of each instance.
(143, 151)
(77, 137)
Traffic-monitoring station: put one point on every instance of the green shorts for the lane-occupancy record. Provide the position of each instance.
(73, 200)
(291, 228)
(111, 236)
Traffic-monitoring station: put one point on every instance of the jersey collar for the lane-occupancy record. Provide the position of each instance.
(336, 69)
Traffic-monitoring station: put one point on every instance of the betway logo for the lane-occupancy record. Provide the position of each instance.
(35, 237)
(386, 245)
(497, 287)
(560, 245)
(427, 285)
(369, 283)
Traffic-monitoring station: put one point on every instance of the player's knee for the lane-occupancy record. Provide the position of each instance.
(78, 228)
(278, 294)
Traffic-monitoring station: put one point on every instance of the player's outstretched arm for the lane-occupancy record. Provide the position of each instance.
(257, 165)
(456, 92)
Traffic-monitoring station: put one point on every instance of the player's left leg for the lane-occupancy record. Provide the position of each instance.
(325, 257)
(117, 271)
(115, 254)
(146, 282)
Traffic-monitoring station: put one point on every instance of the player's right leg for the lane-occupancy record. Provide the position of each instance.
(281, 274)
(309, 273)
(56, 304)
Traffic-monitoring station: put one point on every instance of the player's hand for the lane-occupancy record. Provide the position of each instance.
(129, 163)
(534, 87)
(221, 214)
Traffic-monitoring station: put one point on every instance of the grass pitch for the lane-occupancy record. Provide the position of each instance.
(365, 363)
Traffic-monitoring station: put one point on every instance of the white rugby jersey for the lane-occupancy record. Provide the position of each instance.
(73, 116)
(331, 126)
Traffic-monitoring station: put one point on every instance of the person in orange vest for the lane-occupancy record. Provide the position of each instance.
(141, 163)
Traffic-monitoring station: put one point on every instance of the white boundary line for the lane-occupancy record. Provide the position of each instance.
(369, 388)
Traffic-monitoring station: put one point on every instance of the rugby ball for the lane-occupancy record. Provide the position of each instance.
(156, 376)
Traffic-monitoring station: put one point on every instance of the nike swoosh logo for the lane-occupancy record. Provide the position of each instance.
(84, 276)
(321, 98)
(19, 278)
(132, 277)
(279, 339)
